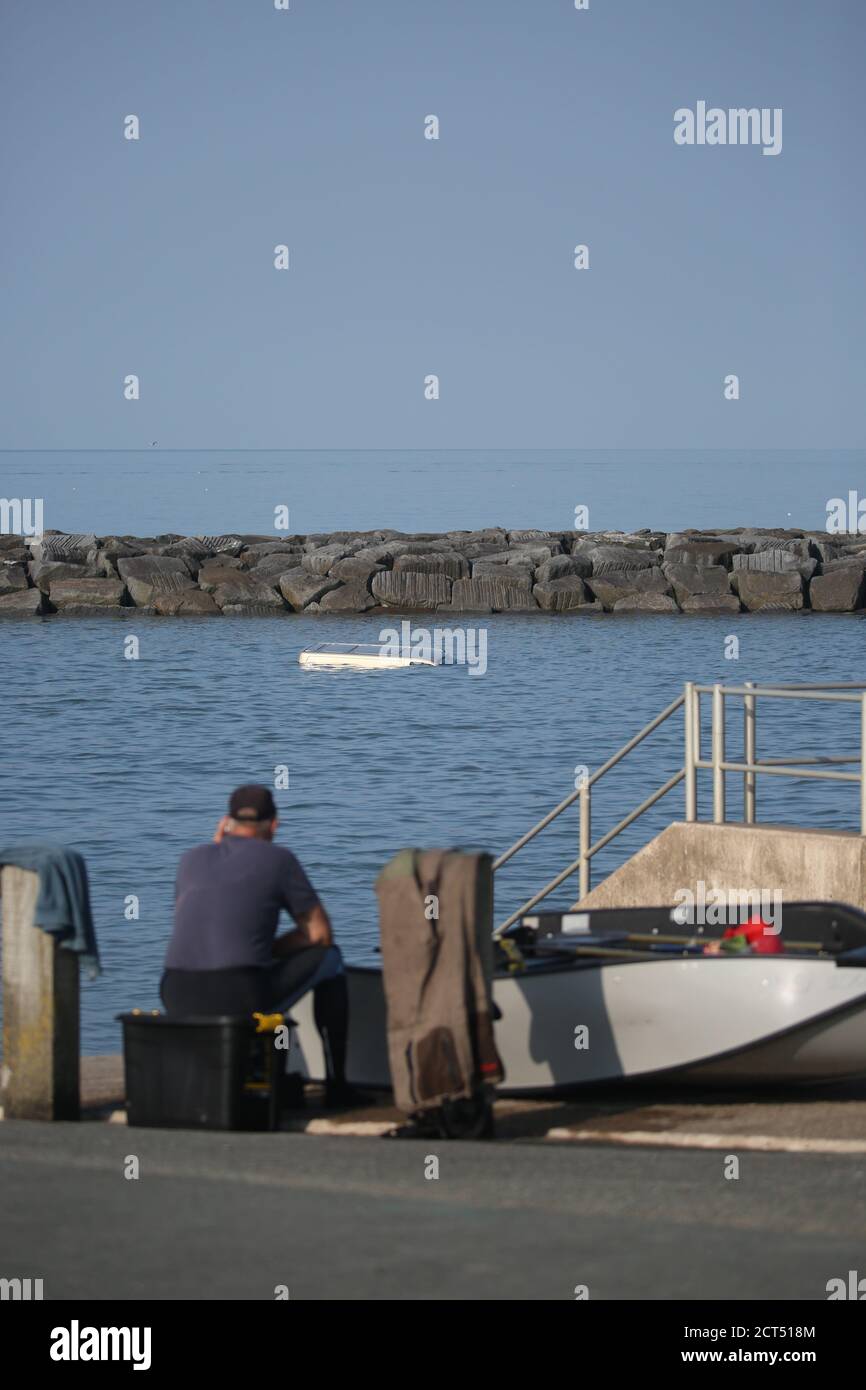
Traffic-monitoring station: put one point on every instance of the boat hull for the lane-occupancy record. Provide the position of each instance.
(752, 1020)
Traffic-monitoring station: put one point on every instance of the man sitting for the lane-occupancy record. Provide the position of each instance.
(224, 956)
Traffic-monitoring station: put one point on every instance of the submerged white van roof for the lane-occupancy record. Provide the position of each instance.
(367, 656)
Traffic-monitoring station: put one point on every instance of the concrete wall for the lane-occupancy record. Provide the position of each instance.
(801, 864)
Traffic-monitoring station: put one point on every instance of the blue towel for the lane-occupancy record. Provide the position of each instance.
(63, 905)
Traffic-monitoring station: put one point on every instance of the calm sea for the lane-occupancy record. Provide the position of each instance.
(212, 491)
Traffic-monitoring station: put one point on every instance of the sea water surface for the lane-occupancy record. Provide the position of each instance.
(131, 761)
(211, 491)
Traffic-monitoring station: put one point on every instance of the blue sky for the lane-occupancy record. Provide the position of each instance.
(410, 256)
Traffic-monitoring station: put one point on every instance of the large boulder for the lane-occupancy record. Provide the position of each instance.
(120, 547)
(560, 566)
(12, 578)
(218, 571)
(44, 573)
(770, 592)
(611, 559)
(710, 603)
(22, 603)
(844, 562)
(353, 567)
(519, 537)
(300, 588)
(109, 552)
(478, 550)
(703, 552)
(609, 588)
(436, 562)
(411, 589)
(798, 546)
(512, 559)
(425, 545)
(531, 554)
(320, 561)
(646, 603)
(562, 595)
(772, 560)
(243, 591)
(840, 591)
(187, 603)
(145, 576)
(384, 554)
(521, 575)
(351, 597)
(271, 568)
(490, 592)
(68, 595)
(687, 580)
(74, 548)
(253, 553)
(825, 547)
(188, 548)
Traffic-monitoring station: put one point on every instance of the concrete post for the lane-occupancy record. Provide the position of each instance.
(40, 1073)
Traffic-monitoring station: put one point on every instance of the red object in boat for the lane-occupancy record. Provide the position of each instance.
(761, 936)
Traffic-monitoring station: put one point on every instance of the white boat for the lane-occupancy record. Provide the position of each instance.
(654, 1005)
(361, 656)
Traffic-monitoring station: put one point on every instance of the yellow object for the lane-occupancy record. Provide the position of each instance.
(513, 954)
(268, 1023)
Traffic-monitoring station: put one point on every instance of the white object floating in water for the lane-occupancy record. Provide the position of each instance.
(361, 656)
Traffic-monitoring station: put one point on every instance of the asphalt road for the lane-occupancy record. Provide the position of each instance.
(231, 1216)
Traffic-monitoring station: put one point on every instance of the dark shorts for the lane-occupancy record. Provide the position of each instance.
(246, 989)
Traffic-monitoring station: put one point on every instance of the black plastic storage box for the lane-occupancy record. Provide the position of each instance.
(190, 1073)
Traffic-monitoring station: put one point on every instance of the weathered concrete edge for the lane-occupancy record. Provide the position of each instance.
(803, 865)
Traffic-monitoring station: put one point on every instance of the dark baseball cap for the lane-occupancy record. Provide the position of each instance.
(252, 803)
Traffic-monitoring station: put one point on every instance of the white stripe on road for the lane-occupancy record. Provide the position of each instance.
(766, 1143)
(761, 1143)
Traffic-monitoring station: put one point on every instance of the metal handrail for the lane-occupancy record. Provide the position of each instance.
(809, 767)
(590, 781)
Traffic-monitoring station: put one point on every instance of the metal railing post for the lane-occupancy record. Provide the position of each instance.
(863, 764)
(691, 752)
(585, 838)
(718, 754)
(750, 708)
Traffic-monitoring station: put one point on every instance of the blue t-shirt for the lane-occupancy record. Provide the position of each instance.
(228, 898)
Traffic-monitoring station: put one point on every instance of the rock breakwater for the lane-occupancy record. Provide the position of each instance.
(492, 570)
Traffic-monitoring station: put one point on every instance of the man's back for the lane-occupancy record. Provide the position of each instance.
(228, 899)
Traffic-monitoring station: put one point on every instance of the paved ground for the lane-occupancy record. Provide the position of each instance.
(337, 1217)
(233, 1216)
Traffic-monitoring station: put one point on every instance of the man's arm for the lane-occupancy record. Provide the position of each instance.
(313, 929)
